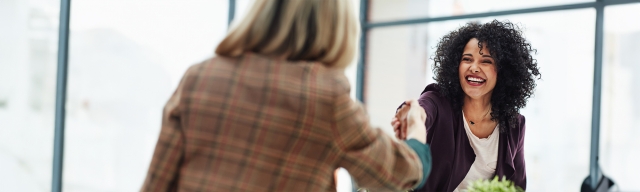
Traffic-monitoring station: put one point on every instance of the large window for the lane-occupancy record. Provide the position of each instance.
(402, 36)
(400, 67)
(28, 46)
(126, 58)
(620, 93)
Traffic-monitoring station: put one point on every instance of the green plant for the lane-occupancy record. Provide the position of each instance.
(493, 185)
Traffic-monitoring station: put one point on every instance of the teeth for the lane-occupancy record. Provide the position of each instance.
(475, 79)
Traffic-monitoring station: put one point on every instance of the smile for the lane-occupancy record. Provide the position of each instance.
(475, 80)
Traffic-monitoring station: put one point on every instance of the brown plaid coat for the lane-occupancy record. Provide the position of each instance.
(257, 124)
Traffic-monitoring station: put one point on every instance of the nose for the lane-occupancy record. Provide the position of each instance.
(474, 67)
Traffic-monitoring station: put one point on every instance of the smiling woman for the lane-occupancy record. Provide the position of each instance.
(478, 71)
(485, 73)
(515, 66)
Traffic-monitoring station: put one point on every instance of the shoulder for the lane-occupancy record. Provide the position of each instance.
(221, 60)
(215, 64)
(431, 96)
(521, 121)
(331, 79)
(335, 75)
(194, 72)
(431, 91)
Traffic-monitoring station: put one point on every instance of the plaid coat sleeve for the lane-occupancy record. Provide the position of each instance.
(165, 164)
(373, 158)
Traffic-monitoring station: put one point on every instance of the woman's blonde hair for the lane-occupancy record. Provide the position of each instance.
(313, 30)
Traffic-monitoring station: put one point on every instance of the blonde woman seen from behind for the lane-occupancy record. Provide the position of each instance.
(272, 112)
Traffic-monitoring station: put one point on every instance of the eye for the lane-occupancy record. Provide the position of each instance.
(466, 59)
(487, 61)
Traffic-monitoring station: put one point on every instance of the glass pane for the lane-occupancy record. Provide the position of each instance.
(399, 66)
(391, 10)
(619, 154)
(126, 58)
(28, 54)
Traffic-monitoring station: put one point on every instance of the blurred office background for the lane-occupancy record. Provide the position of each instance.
(127, 56)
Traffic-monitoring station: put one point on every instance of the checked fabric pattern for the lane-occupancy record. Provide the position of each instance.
(257, 124)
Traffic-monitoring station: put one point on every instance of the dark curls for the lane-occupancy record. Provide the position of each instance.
(517, 70)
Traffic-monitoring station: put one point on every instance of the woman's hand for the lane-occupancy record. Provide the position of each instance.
(395, 123)
(409, 122)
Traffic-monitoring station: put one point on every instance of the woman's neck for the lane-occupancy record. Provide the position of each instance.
(477, 110)
(477, 106)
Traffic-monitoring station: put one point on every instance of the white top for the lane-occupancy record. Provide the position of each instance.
(486, 150)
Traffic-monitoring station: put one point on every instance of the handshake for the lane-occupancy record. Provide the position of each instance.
(409, 122)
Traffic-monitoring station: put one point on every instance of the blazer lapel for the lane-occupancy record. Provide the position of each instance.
(505, 157)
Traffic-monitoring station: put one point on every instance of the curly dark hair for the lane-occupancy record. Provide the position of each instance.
(517, 70)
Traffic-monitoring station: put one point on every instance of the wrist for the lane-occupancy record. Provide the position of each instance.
(422, 140)
(418, 131)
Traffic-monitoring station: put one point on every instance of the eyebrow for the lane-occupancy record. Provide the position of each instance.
(469, 54)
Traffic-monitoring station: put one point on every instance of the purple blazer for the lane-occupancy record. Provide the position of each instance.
(452, 152)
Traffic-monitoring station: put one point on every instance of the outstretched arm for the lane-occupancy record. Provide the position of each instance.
(374, 159)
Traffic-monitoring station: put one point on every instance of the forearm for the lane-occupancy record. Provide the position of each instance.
(423, 151)
(386, 165)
